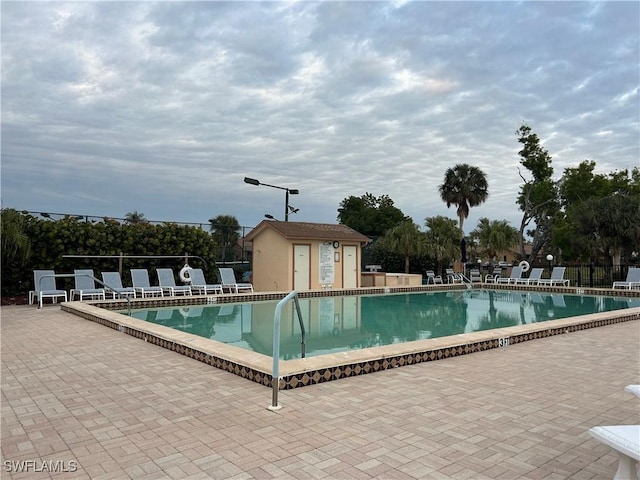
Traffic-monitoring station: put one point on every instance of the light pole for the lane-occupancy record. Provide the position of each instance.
(549, 259)
(288, 191)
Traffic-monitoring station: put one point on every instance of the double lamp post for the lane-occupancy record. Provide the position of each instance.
(288, 191)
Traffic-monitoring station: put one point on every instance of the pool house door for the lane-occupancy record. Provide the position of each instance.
(301, 262)
(350, 266)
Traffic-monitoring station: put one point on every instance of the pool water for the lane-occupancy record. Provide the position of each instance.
(337, 324)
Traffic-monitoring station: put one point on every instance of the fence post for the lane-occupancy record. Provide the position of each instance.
(591, 274)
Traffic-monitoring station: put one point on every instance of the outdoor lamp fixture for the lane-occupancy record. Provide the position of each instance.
(549, 259)
(289, 191)
(270, 217)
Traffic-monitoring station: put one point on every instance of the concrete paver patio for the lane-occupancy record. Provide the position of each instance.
(80, 397)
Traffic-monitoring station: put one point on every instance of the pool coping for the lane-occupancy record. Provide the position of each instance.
(309, 371)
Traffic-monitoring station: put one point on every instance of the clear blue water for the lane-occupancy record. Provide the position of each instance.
(336, 324)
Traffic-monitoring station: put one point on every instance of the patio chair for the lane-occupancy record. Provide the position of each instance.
(433, 278)
(141, 284)
(475, 276)
(516, 274)
(167, 282)
(557, 278)
(199, 285)
(228, 280)
(453, 277)
(625, 440)
(533, 278)
(635, 389)
(45, 287)
(113, 285)
(493, 276)
(632, 281)
(85, 286)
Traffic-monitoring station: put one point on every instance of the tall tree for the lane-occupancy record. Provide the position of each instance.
(602, 213)
(405, 239)
(581, 183)
(370, 215)
(464, 186)
(225, 230)
(495, 236)
(538, 197)
(135, 217)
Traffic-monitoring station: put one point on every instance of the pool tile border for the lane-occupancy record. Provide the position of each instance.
(304, 372)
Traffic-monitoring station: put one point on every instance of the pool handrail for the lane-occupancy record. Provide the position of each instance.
(275, 371)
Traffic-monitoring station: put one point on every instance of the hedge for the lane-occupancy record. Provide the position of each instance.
(50, 240)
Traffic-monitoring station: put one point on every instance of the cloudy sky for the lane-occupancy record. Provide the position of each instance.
(163, 108)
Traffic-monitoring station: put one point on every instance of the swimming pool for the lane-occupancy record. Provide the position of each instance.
(339, 324)
(297, 372)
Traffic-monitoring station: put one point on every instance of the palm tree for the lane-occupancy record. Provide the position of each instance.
(132, 218)
(442, 239)
(466, 187)
(405, 239)
(224, 229)
(494, 236)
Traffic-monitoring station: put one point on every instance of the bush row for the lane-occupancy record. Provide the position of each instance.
(50, 241)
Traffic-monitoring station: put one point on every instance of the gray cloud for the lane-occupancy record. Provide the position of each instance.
(163, 108)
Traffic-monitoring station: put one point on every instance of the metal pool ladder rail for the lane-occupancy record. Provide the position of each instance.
(275, 373)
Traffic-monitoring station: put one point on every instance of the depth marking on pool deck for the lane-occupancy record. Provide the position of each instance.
(308, 371)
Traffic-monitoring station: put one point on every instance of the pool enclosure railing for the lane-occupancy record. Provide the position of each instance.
(589, 275)
(275, 371)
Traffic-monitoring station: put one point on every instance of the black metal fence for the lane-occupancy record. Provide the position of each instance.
(587, 275)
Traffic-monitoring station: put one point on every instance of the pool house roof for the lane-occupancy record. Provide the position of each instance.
(309, 231)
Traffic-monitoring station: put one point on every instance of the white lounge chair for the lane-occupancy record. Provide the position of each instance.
(199, 285)
(45, 287)
(167, 282)
(433, 278)
(113, 285)
(141, 284)
(533, 278)
(557, 278)
(635, 389)
(632, 281)
(516, 274)
(228, 280)
(493, 276)
(453, 277)
(85, 286)
(475, 276)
